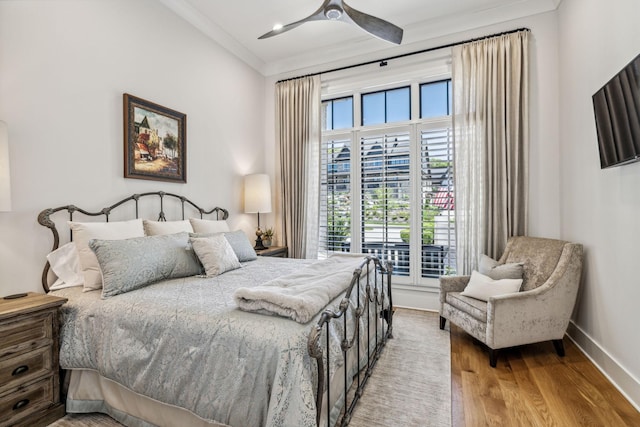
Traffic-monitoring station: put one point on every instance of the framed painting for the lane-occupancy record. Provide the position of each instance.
(155, 141)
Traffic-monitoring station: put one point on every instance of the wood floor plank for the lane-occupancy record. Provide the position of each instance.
(532, 386)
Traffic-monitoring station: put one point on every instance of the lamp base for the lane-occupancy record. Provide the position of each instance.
(259, 246)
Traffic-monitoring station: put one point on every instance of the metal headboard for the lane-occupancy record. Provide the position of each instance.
(44, 218)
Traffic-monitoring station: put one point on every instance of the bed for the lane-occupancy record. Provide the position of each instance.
(180, 351)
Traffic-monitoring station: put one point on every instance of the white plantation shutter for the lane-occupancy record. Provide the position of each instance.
(335, 195)
(438, 225)
(385, 197)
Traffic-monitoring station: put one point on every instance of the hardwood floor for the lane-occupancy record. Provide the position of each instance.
(531, 386)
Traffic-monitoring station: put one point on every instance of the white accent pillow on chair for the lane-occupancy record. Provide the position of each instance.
(484, 287)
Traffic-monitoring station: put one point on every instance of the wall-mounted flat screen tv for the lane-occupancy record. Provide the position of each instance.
(617, 110)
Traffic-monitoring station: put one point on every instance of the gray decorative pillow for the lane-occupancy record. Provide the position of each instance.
(83, 232)
(215, 254)
(239, 243)
(490, 267)
(130, 264)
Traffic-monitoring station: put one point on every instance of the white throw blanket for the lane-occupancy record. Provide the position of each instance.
(301, 295)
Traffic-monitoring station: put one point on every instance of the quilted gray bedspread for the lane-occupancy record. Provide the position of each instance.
(184, 342)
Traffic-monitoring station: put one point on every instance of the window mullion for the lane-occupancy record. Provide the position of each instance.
(357, 110)
(356, 193)
(415, 241)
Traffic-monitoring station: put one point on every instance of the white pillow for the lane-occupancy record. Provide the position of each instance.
(215, 254)
(157, 228)
(208, 226)
(85, 231)
(484, 287)
(65, 265)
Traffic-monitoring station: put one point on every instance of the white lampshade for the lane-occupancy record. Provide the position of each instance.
(257, 193)
(5, 172)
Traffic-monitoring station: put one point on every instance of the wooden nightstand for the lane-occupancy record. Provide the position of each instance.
(275, 251)
(29, 366)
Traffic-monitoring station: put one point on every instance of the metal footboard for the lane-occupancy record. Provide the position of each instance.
(377, 302)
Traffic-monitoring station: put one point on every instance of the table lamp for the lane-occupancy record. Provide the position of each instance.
(257, 199)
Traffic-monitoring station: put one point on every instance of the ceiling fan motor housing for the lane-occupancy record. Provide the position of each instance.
(333, 12)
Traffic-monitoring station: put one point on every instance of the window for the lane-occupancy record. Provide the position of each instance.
(387, 189)
(435, 99)
(337, 113)
(387, 106)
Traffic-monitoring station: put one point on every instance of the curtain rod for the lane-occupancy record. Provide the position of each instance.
(383, 62)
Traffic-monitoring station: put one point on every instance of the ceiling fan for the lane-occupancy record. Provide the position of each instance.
(338, 10)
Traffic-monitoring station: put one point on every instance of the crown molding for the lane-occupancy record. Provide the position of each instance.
(201, 22)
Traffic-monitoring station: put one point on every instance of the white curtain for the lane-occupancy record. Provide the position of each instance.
(491, 131)
(298, 121)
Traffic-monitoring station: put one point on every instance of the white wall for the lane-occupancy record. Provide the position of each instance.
(544, 152)
(600, 208)
(64, 66)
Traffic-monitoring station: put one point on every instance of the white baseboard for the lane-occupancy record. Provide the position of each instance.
(622, 379)
(418, 298)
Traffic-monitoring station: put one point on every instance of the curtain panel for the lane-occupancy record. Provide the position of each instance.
(298, 125)
(491, 135)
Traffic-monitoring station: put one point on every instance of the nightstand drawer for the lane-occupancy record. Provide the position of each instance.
(25, 367)
(26, 400)
(21, 335)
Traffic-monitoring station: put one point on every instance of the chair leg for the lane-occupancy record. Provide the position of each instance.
(493, 357)
(443, 321)
(559, 346)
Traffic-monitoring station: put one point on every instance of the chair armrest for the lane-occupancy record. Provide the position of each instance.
(452, 284)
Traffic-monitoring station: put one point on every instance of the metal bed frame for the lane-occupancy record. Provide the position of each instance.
(382, 306)
(44, 218)
(377, 304)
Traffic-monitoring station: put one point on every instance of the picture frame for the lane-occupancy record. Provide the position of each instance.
(155, 141)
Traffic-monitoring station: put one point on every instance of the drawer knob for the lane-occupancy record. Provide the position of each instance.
(21, 404)
(20, 370)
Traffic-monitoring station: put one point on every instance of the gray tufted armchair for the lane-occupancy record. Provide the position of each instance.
(539, 312)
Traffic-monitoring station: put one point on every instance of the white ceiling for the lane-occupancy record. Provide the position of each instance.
(237, 24)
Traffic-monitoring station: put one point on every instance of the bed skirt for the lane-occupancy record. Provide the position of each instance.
(89, 392)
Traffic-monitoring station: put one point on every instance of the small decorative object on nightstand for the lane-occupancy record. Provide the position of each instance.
(274, 251)
(267, 237)
(29, 369)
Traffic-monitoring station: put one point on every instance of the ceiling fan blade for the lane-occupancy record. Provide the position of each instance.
(318, 15)
(376, 26)
(282, 29)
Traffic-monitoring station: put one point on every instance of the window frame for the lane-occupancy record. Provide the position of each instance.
(385, 91)
(414, 125)
(332, 101)
(449, 97)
